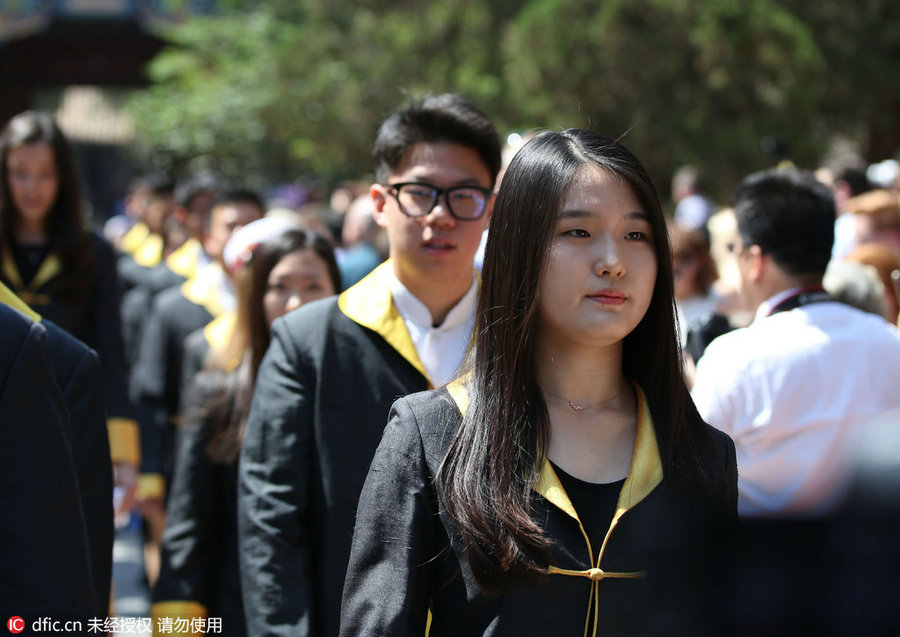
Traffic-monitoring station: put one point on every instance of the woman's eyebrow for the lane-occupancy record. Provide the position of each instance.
(576, 213)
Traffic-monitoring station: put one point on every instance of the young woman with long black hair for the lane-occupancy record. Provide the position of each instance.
(63, 270)
(199, 575)
(566, 480)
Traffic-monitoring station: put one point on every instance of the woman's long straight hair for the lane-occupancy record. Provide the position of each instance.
(224, 395)
(65, 226)
(485, 481)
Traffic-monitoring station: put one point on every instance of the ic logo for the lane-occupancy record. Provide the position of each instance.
(15, 624)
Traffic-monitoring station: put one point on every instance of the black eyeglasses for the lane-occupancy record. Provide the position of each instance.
(466, 203)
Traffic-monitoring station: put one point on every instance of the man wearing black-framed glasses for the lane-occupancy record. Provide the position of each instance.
(434, 205)
(335, 367)
(466, 203)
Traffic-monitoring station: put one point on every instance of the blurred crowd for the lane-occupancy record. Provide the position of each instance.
(135, 354)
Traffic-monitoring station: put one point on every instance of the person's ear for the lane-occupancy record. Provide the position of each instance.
(489, 206)
(379, 199)
(756, 262)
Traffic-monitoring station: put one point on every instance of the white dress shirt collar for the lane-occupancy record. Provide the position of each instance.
(441, 349)
(765, 308)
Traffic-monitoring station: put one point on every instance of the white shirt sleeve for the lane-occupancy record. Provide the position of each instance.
(714, 391)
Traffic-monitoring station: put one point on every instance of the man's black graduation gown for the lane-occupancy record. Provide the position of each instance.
(142, 285)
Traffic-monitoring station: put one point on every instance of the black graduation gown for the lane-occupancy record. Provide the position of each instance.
(96, 322)
(136, 306)
(321, 402)
(156, 378)
(143, 284)
(200, 345)
(77, 372)
(649, 576)
(131, 274)
(43, 544)
(175, 269)
(199, 575)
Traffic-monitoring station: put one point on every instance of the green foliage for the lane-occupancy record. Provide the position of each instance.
(683, 82)
(289, 87)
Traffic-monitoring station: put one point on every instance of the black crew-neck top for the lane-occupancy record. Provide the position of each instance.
(595, 504)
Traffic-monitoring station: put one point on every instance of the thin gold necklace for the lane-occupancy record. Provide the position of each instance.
(577, 407)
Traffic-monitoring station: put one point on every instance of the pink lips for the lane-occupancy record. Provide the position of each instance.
(438, 246)
(608, 296)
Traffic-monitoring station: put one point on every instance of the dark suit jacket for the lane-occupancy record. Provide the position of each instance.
(43, 544)
(321, 403)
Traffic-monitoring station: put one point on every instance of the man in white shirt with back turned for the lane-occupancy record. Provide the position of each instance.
(797, 387)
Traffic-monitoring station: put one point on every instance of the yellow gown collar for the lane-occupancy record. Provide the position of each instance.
(218, 333)
(203, 289)
(644, 475)
(149, 253)
(50, 267)
(184, 260)
(134, 237)
(369, 303)
(8, 297)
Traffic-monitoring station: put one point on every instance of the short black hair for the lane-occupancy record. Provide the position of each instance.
(196, 185)
(436, 118)
(855, 178)
(241, 195)
(790, 216)
(235, 196)
(156, 183)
